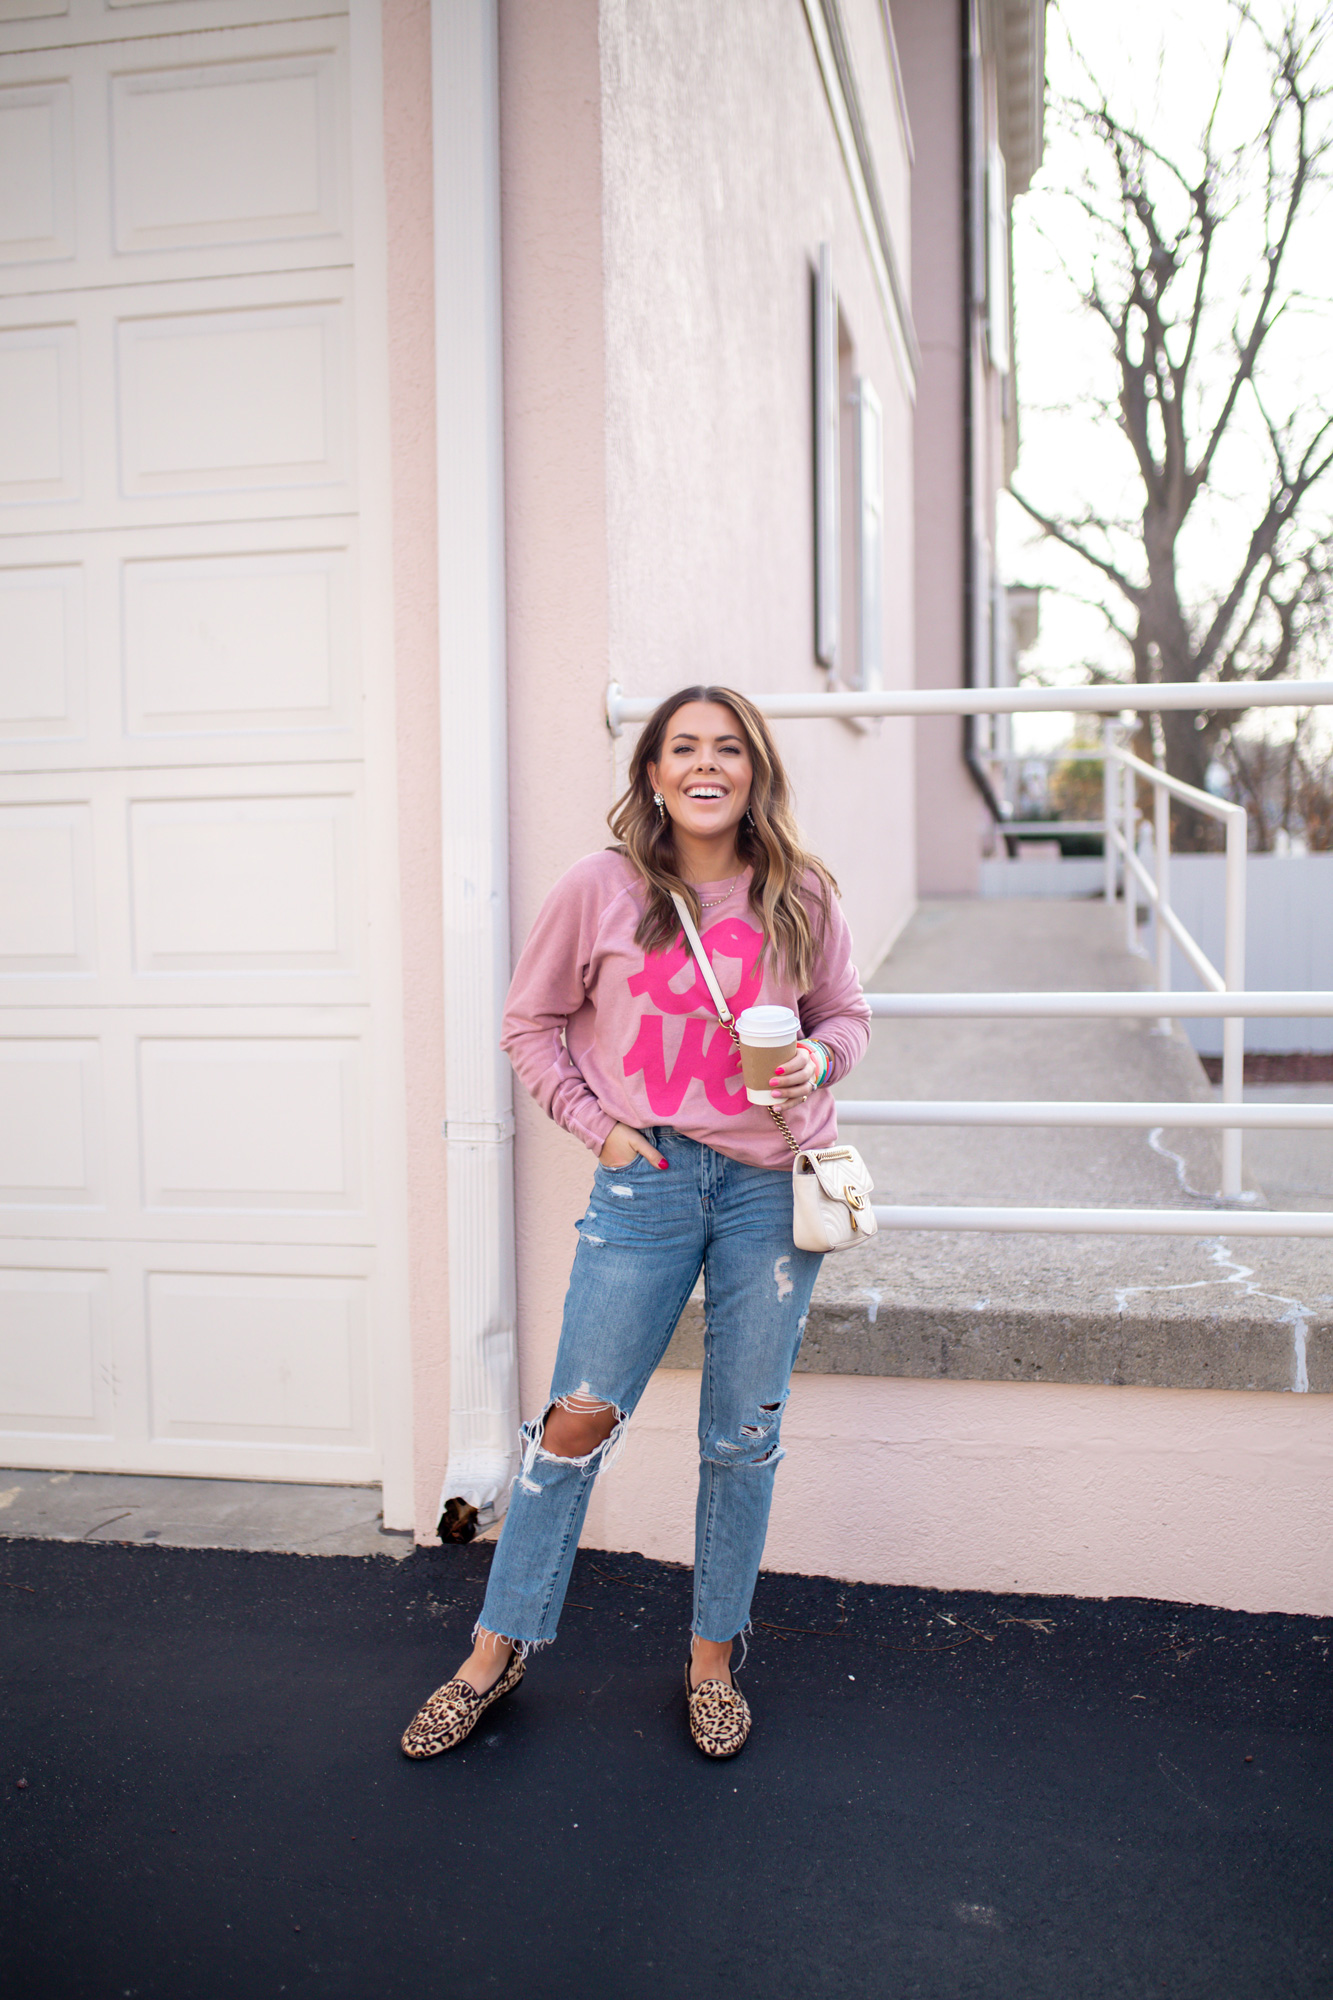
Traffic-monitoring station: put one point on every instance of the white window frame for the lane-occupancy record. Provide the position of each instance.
(869, 535)
(997, 263)
(828, 524)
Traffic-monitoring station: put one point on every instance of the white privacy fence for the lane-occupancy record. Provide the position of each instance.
(1288, 922)
(1288, 939)
(1123, 872)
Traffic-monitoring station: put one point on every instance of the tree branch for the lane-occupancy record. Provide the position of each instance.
(1281, 507)
(1249, 349)
(1058, 532)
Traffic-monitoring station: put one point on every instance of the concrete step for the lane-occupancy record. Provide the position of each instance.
(196, 1513)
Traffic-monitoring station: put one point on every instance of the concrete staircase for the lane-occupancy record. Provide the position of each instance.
(1173, 1312)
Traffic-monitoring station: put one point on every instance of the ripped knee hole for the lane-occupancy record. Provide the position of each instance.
(738, 1456)
(761, 1430)
(575, 1426)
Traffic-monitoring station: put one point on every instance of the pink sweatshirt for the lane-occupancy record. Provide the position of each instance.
(601, 1032)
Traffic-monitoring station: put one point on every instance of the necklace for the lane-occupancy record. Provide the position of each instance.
(715, 901)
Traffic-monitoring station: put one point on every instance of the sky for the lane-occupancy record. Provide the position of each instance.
(1159, 65)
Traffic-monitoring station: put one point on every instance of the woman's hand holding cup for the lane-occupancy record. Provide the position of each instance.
(769, 1040)
(795, 1081)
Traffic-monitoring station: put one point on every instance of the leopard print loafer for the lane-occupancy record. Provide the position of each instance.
(454, 1711)
(719, 1716)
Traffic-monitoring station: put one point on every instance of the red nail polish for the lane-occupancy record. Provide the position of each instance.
(662, 1166)
(779, 1072)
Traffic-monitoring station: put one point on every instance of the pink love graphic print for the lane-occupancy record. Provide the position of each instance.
(703, 1052)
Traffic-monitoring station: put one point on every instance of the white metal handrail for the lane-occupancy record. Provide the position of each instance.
(1051, 829)
(1120, 770)
(1226, 1000)
(1057, 1006)
(1193, 951)
(1111, 1221)
(1069, 1111)
(1190, 794)
(1082, 753)
(1161, 697)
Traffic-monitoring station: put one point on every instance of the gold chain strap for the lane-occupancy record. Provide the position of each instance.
(730, 1025)
(781, 1124)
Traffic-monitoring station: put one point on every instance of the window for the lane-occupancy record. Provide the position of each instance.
(849, 499)
(828, 526)
(869, 536)
(997, 263)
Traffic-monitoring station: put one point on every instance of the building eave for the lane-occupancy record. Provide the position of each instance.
(1020, 44)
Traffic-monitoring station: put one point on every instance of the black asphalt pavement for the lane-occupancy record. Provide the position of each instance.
(944, 1794)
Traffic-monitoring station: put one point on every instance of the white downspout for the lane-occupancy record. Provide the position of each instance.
(474, 793)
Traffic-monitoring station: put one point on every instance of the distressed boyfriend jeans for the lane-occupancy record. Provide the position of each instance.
(641, 1245)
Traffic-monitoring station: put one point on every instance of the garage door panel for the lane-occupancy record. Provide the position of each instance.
(229, 152)
(214, 401)
(57, 22)
(184, 887)
(50, 1122)
(40, 459)
(107, 1352)
(55, 1353)
(250, 1124)
(277, 1359)
(43, 687)
(32, 10)
(46, 889)
(236, 643)
(185, 645)
(183, 16)
(126, 162)
(244, 885)
(187, 1276)
(217, 1124)
(171, 404)
(36, 172)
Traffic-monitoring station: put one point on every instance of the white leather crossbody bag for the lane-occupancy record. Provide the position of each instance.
(830, 1188)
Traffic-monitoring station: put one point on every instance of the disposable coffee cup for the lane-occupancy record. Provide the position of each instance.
(768, 1041)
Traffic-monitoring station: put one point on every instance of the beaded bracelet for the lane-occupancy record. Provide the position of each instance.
(822, 1060)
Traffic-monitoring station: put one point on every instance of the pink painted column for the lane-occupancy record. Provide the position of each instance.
(407, 164)
(556, 542)
(950, 813)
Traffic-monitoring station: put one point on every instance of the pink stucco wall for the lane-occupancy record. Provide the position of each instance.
(556, 554)
(649, 424)
(667, 175)
(721, 176)
(1196, 1495)
(950, 813)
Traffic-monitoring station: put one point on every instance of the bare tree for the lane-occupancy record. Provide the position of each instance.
(1286, 783)
(1197, 386)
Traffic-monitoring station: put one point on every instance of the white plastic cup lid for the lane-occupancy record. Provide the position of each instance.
(768, 1027)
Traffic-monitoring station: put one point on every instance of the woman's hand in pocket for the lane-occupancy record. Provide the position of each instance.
(622, 1143)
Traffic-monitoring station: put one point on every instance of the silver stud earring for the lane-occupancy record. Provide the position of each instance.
(660, 803)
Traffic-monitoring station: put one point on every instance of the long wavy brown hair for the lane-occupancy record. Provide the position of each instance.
(768, 841)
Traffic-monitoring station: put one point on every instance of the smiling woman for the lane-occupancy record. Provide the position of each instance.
(702, 780)
(612, 1028)
(707, 797)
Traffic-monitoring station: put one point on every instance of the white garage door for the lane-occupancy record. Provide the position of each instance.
(188, 1087)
